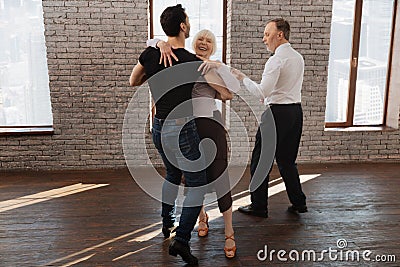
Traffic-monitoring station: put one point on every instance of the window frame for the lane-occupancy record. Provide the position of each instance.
(26, 130)
(224, 26)
(354, 68)
(6, 130)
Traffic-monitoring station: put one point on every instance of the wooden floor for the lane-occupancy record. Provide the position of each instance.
(117, 224)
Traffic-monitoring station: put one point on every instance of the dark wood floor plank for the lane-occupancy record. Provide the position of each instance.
(119, 224)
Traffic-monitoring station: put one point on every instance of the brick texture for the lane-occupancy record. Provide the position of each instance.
(310, 26)
(92, 47)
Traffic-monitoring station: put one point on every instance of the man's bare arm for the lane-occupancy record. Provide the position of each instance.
(138, 75)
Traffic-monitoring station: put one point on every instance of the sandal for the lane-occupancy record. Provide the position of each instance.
(203, 231)
(230, 252)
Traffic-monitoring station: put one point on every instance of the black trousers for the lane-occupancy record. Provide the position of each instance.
(286, 134)
(210, 128)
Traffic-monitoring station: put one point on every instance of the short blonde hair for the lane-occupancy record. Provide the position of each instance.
(208, 34)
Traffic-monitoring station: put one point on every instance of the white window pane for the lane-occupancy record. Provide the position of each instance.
(192, 9)
(158, 8)
(24, 81)
(212, 19)
(218, 53)
(376, 25)
(339, 60)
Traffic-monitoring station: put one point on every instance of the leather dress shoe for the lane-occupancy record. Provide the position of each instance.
(250, 211)
(167, 231)
(178, 248)
(297, 209)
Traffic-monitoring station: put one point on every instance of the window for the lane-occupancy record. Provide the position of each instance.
(203, 14)
(358, 74)
(24, 82)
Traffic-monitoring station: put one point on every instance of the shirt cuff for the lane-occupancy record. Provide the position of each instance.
(252, 87)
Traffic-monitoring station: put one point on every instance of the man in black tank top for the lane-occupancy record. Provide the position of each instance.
(171, 89)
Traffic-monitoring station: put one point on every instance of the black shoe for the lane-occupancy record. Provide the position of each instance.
(178, 248)
(250, 211)
(167, 231)
(297, 209)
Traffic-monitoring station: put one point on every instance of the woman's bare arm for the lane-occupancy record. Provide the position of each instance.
(215, 81)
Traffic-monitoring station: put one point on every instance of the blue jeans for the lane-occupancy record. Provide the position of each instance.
(178, 145)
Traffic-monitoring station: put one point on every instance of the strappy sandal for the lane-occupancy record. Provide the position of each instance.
(203, 231)
(230, 252)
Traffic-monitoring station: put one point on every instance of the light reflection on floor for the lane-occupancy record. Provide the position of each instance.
(46, 195)
(213, 214)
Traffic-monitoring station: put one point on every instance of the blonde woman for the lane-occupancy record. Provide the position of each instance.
(209, 125)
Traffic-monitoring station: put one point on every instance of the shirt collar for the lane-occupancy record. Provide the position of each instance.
(282, 46)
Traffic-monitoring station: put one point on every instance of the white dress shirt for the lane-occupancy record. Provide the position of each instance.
(282, 78)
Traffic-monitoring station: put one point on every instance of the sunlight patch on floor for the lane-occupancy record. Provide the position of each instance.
(104, 243)
(46, 195)
(131, 253)
(78, 260)
(213, 214)
(273, 190)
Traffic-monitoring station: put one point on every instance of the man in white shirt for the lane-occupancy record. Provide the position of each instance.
(280, 88)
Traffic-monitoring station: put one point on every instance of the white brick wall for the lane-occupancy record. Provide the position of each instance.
(310, 25)
(91, 48)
